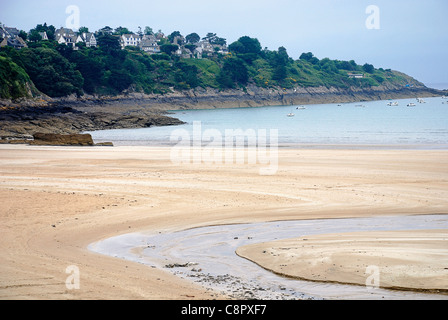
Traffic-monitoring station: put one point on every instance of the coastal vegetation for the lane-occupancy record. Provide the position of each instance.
(58, 70)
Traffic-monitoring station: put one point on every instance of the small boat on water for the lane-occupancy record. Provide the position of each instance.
(360, 106)
(300, 108)
(291, 114)
(420, 100)
(411, 104)
(392, 104)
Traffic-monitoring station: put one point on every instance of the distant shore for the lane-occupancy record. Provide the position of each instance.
(71, 115)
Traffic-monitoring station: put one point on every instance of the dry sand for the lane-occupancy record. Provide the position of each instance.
(55, 201)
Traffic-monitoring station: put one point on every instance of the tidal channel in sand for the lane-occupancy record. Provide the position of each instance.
(207, 255)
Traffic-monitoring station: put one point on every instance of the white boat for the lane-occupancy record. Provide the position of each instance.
(420, 100)
(300, 108)
(411, 104)
(392, 104)
(291, 114)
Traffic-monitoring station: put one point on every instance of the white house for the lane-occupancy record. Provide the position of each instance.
(66, 36)
(356, 75)
(43, 35)
(88, 38)
(130, 40)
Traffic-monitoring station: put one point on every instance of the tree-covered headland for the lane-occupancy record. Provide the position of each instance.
(58, 70)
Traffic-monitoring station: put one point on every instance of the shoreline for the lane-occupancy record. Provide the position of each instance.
(72, 115)
(58, 200)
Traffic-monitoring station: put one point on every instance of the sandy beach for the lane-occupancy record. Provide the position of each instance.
(58, 200)
(402, 260)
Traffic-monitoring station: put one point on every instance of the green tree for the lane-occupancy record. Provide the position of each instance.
(246, 48)
(224, 80)
(237, 70)
(49, 29)
(219, 41)
(122, 30)
(89, 64)
(83, 30)
(282, 57)
(192, 38)
(368, 68)
(191, 47)
(246, 45)
(173, 35)
(187, 75)
(209, 37)
(280, 73)
(34, 36)
(119, 80)
(109, 44)
(148, 31)
(52, 74)
(13, 80)
(23, 35)
(169, 49)
(106, 31)
(345, 65)
(279, 62)
(309, 57)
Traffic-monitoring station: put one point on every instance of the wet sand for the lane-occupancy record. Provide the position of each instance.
(58, 200)
(414, 260)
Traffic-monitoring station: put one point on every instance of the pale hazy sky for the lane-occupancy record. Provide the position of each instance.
(412, 35)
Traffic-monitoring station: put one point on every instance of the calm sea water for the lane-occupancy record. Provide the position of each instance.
(363, 124)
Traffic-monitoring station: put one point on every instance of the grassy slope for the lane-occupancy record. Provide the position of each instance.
(14, 81)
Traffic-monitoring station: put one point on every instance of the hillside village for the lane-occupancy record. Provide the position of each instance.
(109, 62)
(149, 42)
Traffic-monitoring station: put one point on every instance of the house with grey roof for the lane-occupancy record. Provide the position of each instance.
(149, 44)
(16, 43)
(3, 32)
(88, 38)
(12, 32)
(11, 38)
(66, 36)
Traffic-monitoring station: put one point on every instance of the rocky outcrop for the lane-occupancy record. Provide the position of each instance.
(62, 139)
(22, 122)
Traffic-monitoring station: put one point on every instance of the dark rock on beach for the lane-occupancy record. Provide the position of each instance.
(62, 139)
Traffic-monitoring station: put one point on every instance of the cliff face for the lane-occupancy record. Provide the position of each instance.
(134, 110)
(253, 96)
